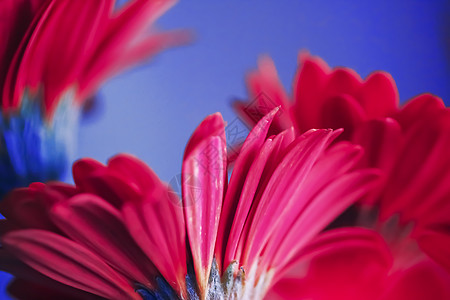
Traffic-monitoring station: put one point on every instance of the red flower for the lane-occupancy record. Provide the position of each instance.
(322, 97)
(54, 55)
(409, 144)
(355, 264)
(52, 46)
(120, 233)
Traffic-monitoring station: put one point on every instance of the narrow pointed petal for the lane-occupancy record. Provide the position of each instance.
(323, 208)
(156, 224)
(98, 226)
(285, 180)
(204, 180)
(67, 262)
(249, 151)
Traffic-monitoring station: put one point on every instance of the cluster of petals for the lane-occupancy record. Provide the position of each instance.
(408, 144)
(50, 46)
(120, 233)
(54, 56)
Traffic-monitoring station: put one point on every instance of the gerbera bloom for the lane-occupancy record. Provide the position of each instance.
(120, 233)
(54, 55)
(355, 264)
(409, 144)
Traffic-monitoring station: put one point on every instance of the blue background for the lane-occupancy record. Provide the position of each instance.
(151, 111)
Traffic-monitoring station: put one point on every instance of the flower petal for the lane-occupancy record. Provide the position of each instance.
(96, 224)
(67, 262)
(204, 181)
(249, 151)
(378, 95)
(346, 263)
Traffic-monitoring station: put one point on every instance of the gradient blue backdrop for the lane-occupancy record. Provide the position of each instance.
(152, 110)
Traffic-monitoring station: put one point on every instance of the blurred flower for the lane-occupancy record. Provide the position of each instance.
(355, 264)
(121, 233)
(54, 55)
(410, 205)
(322, 97)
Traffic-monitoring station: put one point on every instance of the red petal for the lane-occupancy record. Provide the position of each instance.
(67, 262)
(266, 93)
(347, 263)
(322, 209)
(249, 151)
(204, 181)
(97, 225)
(156, 224)
(378, 95)
(342, 112)
(311, 78)
(288, 176)
(423, 281)
(28, 207)
(417, 108)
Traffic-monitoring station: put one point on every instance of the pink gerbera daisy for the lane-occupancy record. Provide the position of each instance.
(120, 233)
(411, 204)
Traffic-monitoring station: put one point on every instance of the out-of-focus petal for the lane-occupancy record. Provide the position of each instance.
(67, 262)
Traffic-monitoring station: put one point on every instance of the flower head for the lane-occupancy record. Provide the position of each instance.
(410, 205)
(120, 233)
(54, 55)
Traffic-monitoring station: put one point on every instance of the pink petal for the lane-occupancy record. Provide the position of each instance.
(420, 170)
(322, 209)
(204, 181)
(135, 171)
(98, 226)
(249, 151)
(156, 224)
(420, 106)
(28, 207)
(266, 93)
(378, 95)
(342, 111)
(107, 183)
(423, 281)
(67, 262)
(212, 125)
(246, 200)
(311, 77)
(118, 35)
(381, 140)
(347, 263)
(29, 290)
(288, 176)
(436, 244)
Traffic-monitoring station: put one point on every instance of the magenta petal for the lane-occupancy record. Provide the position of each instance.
(67, 262)
(378, 95)
(322, 209)
(418, 107)
(342, 264)
(98, 226)
(425, 280)
(286, 179)
(204, 181)
(249, 151)
(311, 77)
(135, 171)
(157, 226)
(342, 112)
